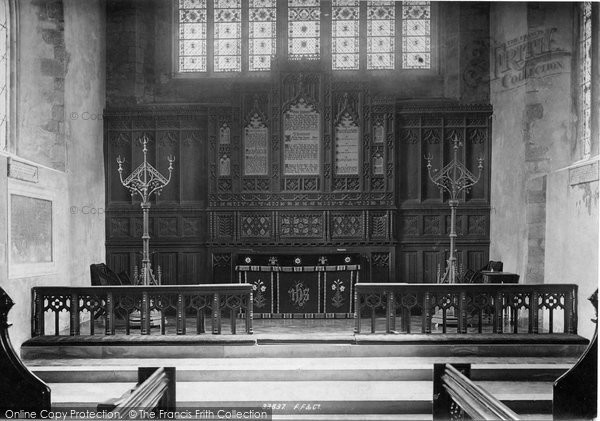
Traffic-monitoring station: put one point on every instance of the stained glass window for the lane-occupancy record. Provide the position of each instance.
(416, 35)
(228, 36)
(263, 33)
(380, 34)
(192, 35)
(304, 29)
(586, 78)
(345, 16)
(4, 72)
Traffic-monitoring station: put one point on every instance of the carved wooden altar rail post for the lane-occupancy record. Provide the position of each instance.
(504, 302)
(117, 304)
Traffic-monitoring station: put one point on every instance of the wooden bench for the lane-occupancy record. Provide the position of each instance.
(154, 394)
(20, 389)
(574, 396)
(454, 394)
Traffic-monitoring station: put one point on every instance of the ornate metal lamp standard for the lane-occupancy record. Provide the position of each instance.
(454, 178)
(145, 180)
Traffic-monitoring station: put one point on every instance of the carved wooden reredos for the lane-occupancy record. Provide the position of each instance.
(237, 189)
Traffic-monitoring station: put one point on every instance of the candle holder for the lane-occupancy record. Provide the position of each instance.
(145, 180)
(453, 179)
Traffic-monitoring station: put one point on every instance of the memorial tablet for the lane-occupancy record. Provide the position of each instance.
(256, 138)
(347, 136)
(31, 230)
(302, 149)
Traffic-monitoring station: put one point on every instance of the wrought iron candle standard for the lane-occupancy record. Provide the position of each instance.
(145, 181)
(454, 178)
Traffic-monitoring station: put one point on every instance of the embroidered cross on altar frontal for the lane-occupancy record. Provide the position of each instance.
(306, 286)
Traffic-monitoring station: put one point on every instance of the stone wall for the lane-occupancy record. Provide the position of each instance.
(538, 224)
(59, 98)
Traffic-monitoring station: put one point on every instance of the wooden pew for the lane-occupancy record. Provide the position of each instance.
(575, 393)
(20, 389)
(454, 392)
(155, 392)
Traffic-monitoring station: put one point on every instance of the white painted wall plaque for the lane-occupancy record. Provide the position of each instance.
(301, 146)
(22, 171)
(30, 230)
(347, 136)
(256, 140)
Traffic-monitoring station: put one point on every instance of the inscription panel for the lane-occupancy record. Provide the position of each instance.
(301, 145)
(347, 135)
(256, 139)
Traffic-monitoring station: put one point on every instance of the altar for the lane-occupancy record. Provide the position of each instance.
(303, 286)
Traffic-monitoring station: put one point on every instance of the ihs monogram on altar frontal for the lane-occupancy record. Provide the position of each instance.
(299, 294)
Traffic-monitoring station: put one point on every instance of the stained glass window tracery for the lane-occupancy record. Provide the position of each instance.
(380, 34)
(586, 78)
(345, 17)
(304, 28)
(263, 34)
(220, 21)
(228, 36)
(192, 35)
(416, 35)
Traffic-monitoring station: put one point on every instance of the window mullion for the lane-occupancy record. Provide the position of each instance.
(362, 31)
(595, 52)
(281, 28)
(210, 37)
(245, 41)
(326, 34)
(398, 37)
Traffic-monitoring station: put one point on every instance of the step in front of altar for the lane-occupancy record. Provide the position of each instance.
(338, 387)
(303, 346)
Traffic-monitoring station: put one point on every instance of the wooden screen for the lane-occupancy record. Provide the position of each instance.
(300, 163)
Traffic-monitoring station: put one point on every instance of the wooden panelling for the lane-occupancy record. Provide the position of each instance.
(119, 262)
(178, 217)
(192, 269)
(389, 212)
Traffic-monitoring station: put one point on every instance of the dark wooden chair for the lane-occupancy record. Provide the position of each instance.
(470, 276)
(493, 266)
(102, 275)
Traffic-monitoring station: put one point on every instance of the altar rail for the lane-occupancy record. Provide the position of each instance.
(467, 305)
(123, 307)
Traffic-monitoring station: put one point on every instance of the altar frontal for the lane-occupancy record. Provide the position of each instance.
(300, 286)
